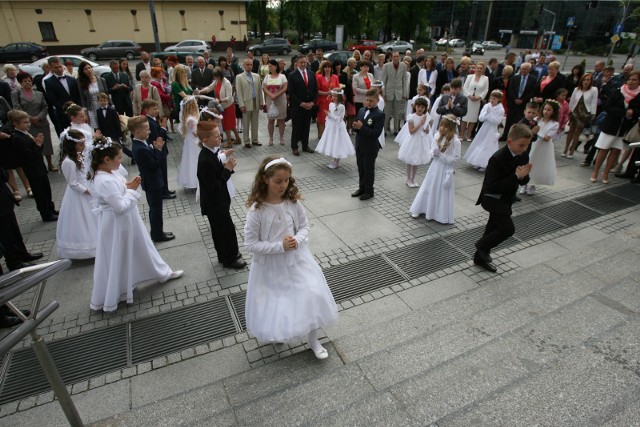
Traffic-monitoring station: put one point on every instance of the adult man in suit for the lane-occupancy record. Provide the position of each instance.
(519, 92)
(541, 69)
(315, 65)
(255, 63)
(455, 103)
(508, 168)
(510, 59)
(59, 89)
(368, 125)
(148, 158)
(201, 76)
(119, 87)
(143, 65)
(394, 80)
(250, 101)
(303, 91)
(598, 73)
(5, 91)
(414, 71)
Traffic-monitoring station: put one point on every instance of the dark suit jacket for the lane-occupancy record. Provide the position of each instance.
(119, 96)
(315, 65)
(299, 92)
(57, 96)
(460, 103)
(367, 136)
(109, 125)
(442, 79)
(500, 179)
(30, 155)
(157, 131)
(514, 87)
(201, 80)
(213, 177)
(139, 67)
(5, 91)
(616, 122)
(149, 161)
(256, 66)
(549, 91)
(413, 82)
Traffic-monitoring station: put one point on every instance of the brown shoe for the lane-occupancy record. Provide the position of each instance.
(308, 150)
(296, 153)
(228, 145)
(257, 143)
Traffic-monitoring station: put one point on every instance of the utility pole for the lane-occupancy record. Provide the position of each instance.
(154, 25)
(474, 10)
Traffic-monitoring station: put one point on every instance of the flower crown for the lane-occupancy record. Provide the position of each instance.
(337, 92)
(65, 135)
(204, 109)
(187, 99)
(452, 119)
(105, 143)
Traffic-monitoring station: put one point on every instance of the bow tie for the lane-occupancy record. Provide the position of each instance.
(61, 77)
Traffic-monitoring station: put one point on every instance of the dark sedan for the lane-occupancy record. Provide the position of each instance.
(113, 49)
(340, 55)
(14, 52)
(325, 45)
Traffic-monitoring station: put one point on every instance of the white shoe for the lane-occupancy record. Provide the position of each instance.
(531, 190)
(332, 166)
(415, 215)
(409, 184)
(321, 354)
(414, 184)
(481, 169)
(176, 274)
(522, 189)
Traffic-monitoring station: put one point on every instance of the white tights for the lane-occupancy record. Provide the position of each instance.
(313, 341)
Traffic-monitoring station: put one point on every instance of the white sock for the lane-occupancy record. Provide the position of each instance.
(313, 341)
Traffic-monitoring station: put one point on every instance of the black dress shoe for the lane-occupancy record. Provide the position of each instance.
(168, 196)
(171, 192)
(296, 153)
(50, 218)
(484, 255)
(357, 193)
(164, 238)
(32, 256)
(9, 321)
(366, 196)
(517, 199)
(238, 265)
(168, 233)
(484, 263)
(239, 256)
(624, 175)
(55, 212)
(308, 150)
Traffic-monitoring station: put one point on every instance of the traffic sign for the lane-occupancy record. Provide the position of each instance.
(615, 39)
(618, 29)
(571, 21)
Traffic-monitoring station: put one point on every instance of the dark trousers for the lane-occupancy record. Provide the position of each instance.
(300, 127)
(499, 228)
(366, 170)
(592, 149)
(154, 199)
(632, 169)
(163, 169)
(11, 240)
(515, 113)
(223, 233)
(42, 195)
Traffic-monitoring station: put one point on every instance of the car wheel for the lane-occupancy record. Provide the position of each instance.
(257, 52)
(285, 51)
(389, 50)
(129, 55)
(34, 58)
(92, 56)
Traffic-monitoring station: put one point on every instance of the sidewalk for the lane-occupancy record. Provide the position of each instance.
(426, 338)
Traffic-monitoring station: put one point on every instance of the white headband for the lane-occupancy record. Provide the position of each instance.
(377, 83)
(65, 135)
(104, 146)
(275, 162)
(206, 110)
(337, 92)
(451, 119)
(187, 99)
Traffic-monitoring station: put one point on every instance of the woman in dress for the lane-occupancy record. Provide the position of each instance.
(274, 86)
(361, 84)
(549, 85)
(264, 66)
(623, 110)
(180, 89)
(583, 106)
(502, 84)
(34, 104)
(574, 78)
(76, 233)
(428, 76)
(90, 86)
(226, 69)
(223, 94)
(326, 82)
(143, 91)
(476, 87)
(188, 169)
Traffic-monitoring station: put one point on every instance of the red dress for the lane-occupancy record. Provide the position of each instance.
(229, 114)
(323, 101)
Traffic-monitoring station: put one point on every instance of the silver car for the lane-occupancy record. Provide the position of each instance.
(395, 46)
(35, 68)
(199, 46)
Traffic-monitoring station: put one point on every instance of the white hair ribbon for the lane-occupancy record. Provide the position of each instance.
(276, 162)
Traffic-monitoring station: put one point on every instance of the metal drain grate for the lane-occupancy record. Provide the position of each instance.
(238, 303)
(426, 257)
(178, 329)
(466, 240)
(361, 276)
(532, 224)
(569, 213)
(605, 202)
(77, 358)
(627, 191)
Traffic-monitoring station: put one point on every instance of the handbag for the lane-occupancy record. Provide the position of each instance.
(633, 134)
(273, 111)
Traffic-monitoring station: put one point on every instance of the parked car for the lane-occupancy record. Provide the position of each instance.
(113, 49)
(189, 46)
(35, 68)
(491, 45)
(325, 45)
(363, 45)
(26, 51)
(395, 46)
(181, 55)
(442, 42)
(475, 49)
(456, 43)
(340, 55)
(274, 45)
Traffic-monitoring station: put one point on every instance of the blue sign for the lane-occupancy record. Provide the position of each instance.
(557, 43)
(618, 29)
(571, 21)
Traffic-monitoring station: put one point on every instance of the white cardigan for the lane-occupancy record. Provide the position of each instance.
(226, 92)
(590, 99)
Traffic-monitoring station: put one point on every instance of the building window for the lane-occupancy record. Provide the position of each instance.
(184, 21)
(88, 13)
(47, 31)
(134, 14)
(38, 11)
(221, 13)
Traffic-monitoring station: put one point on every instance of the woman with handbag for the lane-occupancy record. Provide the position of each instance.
(583, 105)
(223, 91)
(274, 86)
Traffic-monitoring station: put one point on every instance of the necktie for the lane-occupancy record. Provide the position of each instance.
(523, 82)
(304, 76)
(253, 87)
(117, 77)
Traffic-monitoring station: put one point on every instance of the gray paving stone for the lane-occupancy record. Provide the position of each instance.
(434, 291)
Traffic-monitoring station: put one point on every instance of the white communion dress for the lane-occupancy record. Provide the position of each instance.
(486, 141)
(416, 148)
(188, 170)
(335, 141)
(542, 155)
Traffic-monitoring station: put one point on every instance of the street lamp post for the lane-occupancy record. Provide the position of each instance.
(553, 24)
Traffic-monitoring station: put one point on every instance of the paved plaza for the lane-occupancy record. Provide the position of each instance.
(424, 337)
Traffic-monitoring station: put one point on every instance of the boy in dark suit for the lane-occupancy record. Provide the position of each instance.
(368, 125)
(148, 158)
(214, 195)
(158, 128)
(508, 167)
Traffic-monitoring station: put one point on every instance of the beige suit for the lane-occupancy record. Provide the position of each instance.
(396, 92)
(136, 97)
(251, 99)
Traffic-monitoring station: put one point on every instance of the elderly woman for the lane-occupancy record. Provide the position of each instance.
(90, 86)
(502, 84)
(144, 90)
(34, 104)
(623, 109)
(549, 84)
(361, 83)
(446, 75)
(326, 82)
(583, 106)
(274, 86)
(223, 95)
(10, 73)
(464, 68)
(476, 87)
(164, 91)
